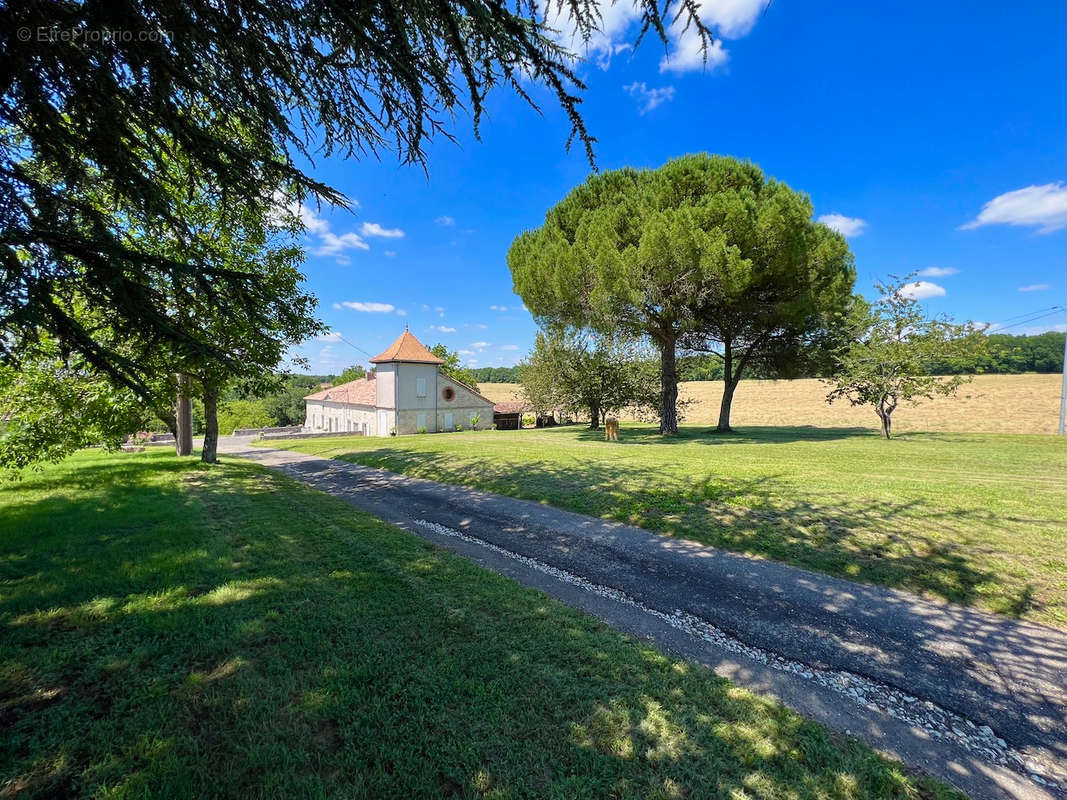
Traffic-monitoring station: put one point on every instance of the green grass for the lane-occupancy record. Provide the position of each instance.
(973, 518)
(172, 630)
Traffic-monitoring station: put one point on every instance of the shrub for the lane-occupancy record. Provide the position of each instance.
(475, 419)
(459, 428)
(422, 429)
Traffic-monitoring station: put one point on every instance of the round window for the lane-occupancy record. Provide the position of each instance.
(448, 393)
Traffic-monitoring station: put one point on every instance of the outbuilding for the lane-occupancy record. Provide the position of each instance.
(407, 393)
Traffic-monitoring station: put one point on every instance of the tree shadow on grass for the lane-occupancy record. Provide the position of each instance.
(284, 645)
(690, 434)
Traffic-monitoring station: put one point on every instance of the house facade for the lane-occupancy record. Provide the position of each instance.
(406, 393)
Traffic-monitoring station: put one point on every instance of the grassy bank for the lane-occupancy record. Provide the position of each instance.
(973, 518)
(172, 630)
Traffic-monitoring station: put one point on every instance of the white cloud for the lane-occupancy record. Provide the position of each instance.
(480, 345)
(442, 329)
(390, 254)
(370, 308)
(400, 312)
(344, 261)
(465, 352)
(688, 54)
(1044, 207)
(938, 272)
(509, 347)
(730, 19)
(648, 99)
(440, 310)
(846, 226)
(374, 229)
(331, 336)
(1035, 287)
(498, 308)
(331, 243)
(445, 221)
(921, 290)
(616, 29)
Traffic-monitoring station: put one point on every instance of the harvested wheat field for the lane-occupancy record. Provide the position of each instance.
(990, 404)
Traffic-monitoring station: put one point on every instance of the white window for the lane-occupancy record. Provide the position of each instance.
(420, 387)
(420, 419)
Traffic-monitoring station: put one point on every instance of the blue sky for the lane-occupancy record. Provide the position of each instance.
(935, 134)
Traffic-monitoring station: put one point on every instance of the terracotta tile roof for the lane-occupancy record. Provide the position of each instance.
(510, 407)
(363, 392)
(407, 348)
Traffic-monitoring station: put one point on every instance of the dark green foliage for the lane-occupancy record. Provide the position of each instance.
(352, 373)
(704, 253)
(1011, 354)
(243, 89)
(496, 374)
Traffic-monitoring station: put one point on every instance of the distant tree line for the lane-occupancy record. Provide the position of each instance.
(497, 374)
(1007, 354)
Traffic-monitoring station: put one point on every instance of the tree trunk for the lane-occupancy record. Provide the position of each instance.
(209, 453)
(594, 417)
(668, 378)
(724, 407)
(885, 414)
(729, 384)
(183, 418)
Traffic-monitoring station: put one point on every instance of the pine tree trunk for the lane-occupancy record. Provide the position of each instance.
(209, 453)
(729, 384)
(668, 377)
(183, 418)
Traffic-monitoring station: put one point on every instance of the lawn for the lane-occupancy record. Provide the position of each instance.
(973, 518)
(174, 630)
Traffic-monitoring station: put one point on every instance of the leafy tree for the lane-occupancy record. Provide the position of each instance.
(352, 373)
(251, 413)
(687, 252)
(53, 405)
(452, 366)
(885, 359)
(624, 252)
(334, 78)
(775, 294)
(582, 372)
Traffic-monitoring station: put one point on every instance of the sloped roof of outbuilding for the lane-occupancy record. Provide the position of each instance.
(362, 392)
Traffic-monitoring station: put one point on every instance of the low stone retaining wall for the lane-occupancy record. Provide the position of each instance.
(265, 431)
(310, 435)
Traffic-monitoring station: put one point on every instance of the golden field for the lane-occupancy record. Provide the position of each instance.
(989, 404)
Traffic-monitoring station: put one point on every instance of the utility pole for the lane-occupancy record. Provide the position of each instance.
(1063, 391)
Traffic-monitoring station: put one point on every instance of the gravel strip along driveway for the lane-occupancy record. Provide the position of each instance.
(976, 699)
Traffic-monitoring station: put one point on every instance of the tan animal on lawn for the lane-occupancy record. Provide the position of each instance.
(611, 430)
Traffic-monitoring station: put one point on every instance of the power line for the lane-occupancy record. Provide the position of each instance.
(1027, 321)
(1028, 313)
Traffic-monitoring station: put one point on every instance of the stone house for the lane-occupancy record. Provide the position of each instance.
(407, 392)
